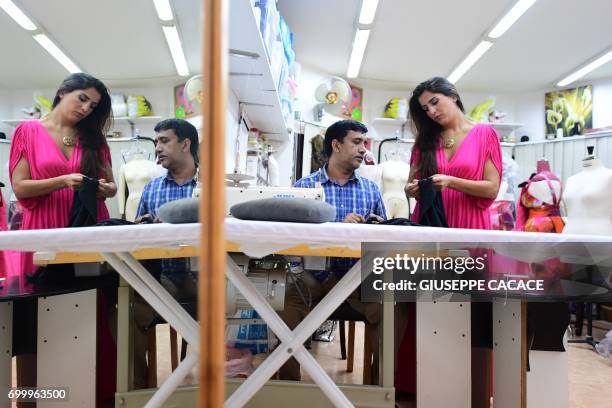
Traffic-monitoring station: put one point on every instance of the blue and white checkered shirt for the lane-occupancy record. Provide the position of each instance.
(359, 195)
(156, 193)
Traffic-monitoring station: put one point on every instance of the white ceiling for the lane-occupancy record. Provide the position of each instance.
(414, 40)
(118, 41)
(122, 42)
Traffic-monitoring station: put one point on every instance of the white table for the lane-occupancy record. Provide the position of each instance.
(115, 245)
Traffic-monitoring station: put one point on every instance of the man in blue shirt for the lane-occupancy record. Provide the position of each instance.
(176, 147)
(357, 200)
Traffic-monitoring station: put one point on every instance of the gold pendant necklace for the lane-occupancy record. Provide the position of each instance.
(68, 141)
(449, 143)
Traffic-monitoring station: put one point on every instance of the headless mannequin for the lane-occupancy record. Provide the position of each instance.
(134, 175)
(394, 178)
(587, 198)
(373, 173)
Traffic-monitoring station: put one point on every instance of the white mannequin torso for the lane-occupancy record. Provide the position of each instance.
(371, 172)
(394, 177)
(587, 198)
(134, 175)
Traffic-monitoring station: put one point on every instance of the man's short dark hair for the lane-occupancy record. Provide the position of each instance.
(339, 130)
(183, 130)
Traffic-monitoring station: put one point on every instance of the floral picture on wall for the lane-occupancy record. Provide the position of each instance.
(355, 109)
(182, 108)
(570, 110)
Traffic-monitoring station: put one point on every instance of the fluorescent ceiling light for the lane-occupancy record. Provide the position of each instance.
(56, 53)
(469, 61)
(359, 46)
(368, 11)
(164, 11)
(510, 18)
(176, 49)
(16, 14)
(607, 57)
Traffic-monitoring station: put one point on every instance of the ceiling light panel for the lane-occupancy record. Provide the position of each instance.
(604, 59)
(469, 61)
(511, 17)
(164, 11)
(176, 49)
(359, 46)
(368, 11)
(16, 14)
(56, 53)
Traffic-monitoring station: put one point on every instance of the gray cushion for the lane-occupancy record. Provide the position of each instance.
(180, 211)
(285, 210)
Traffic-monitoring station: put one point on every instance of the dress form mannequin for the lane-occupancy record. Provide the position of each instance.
(587, 198)
(394, 177)
(371, 172)
(134, 175)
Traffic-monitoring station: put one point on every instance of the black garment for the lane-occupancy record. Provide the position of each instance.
(84, 211)
(395, 221)
(431, 211)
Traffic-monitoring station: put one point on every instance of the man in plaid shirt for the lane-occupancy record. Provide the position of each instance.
(176, 147)
(357, 200)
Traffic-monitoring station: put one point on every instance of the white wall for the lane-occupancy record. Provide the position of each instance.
(374, 101)
(6, 109)
(530, 108)
(161, 99)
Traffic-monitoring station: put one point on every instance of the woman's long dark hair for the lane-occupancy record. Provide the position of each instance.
(427, 131)
(92, 129)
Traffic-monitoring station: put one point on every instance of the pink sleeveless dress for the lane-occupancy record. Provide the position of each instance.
(46, 160)
(463, 210)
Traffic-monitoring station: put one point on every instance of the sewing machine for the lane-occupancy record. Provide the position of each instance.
(240, 194)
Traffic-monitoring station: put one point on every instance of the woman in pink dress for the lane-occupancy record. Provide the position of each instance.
(464, 162)
(50, 157)
(48, 161)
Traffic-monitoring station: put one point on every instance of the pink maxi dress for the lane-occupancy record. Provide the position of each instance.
(463, 210)
(46, 160)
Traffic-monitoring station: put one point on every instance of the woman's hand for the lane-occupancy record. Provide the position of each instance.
(412, 189)
(73, 181)
(441, 181)
(106, 189)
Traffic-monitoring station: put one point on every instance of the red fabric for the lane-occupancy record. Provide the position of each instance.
(463, 210)
(32, 142)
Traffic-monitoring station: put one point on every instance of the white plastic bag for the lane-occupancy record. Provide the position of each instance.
(604, 347)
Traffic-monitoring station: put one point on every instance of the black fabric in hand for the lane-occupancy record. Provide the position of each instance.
(431, 211)
(84, 211)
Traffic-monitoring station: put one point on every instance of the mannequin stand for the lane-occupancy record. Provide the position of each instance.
(589, 316)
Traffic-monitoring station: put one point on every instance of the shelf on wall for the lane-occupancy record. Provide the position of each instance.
(506, 126)
(388, 122)
(138, 119)
(251, 79)
(15, 122)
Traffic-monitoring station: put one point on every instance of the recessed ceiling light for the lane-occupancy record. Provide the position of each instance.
(368, 11)
(164, 11)
(56, 53)
(359, 46)
(176, 49)
(469, 61)
(510, 18)
(607, 57)
(16, 14)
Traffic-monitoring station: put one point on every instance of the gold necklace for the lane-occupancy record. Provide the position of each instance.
(449, 143)
(68, 141)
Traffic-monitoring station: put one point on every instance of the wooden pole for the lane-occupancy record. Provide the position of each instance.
(211, 307)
